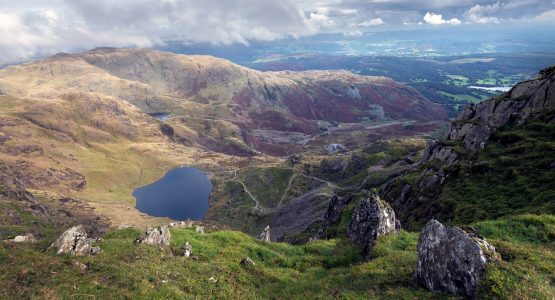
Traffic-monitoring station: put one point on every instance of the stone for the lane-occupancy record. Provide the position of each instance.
(265, 235)
(200, 229)
(28, 238)
(372, 218)
(451, 259)
(187, 249)
(334, 148)
(74, 241)
(247, 263)
(156, 236)
(181, 224)
(124, 226)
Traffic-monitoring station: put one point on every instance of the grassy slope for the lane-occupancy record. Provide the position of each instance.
(513, 177)
(321, 269)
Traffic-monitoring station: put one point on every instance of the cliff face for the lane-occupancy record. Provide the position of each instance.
(523, 116)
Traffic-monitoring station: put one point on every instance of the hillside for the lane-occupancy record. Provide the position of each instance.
(71, 156)
(497, 160)
(78, 125)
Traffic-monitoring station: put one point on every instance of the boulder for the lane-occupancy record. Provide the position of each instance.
(451, 259)
(187, 249)
(200, 229)
(28, 238)
(372, 218)
(156, 236)
(74, 241)
(247, 263)
(334, 148)
(265, 234)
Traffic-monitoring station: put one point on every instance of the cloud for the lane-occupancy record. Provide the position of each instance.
(437, 19)
(36, 28)
(372, 22)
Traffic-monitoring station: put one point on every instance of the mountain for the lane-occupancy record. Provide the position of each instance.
(221, 106)
(76, 138)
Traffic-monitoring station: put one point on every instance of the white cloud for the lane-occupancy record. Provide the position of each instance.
(372, 22)
(437, 19)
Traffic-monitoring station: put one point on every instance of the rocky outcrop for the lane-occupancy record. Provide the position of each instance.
(156, 236)
(333, 213)
(265, 235)
(372, 218)
(476, 123)
(451, 259)
(414, 198)
(74, 241)
(334, 148)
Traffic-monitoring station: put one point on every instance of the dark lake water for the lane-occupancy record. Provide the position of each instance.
(181, 194)
(160, 116)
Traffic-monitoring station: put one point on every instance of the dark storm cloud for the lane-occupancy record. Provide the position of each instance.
(36, 27)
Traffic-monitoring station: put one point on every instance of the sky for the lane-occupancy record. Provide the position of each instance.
(37, 28)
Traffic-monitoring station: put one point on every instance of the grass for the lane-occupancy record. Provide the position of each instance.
(322, 269)
(462, 97)
(266, 184)
(318, 270)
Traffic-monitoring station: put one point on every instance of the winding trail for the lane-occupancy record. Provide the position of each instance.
(245, 188)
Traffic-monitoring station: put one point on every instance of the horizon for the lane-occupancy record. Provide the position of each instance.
(38, 29)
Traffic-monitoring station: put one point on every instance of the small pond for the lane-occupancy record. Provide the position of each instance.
(160, 116)
(181, 194)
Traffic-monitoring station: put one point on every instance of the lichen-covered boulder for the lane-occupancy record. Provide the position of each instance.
(372, 218)
(451, 259)
(265, 234)
(156, 236)
(74, 241)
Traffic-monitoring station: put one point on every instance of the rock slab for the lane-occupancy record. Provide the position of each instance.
(156, 236)
(372, 218)
(451, 259)
(265, 235)
(74, 241)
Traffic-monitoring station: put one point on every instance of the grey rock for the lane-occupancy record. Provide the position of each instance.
(187, 249)
(247, 263)
(28, 238)
(451, 259)
(156, 236)
(265, 235)
(372, 218)
(74, 241)
(181, 224)
(200, 229)
(334, 148)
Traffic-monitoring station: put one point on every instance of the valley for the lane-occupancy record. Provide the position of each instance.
(312, 159)
(88, 117)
